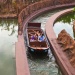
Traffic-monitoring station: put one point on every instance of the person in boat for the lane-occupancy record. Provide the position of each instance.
(33, 37)
(41, 37)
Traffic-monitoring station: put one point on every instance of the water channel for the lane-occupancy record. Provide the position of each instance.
(8, 36)
(44, 66)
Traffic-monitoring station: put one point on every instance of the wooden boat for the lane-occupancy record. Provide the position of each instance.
(36, 46)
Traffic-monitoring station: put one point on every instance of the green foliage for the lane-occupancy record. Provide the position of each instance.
(74, 9)
(68, 18)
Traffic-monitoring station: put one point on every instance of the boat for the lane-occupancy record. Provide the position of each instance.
(36, 46)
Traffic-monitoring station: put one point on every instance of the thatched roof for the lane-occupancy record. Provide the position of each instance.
(3, 1)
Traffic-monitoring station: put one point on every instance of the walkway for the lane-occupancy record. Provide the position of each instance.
(21, 59)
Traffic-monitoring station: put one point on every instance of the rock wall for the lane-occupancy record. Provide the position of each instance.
(68, 45)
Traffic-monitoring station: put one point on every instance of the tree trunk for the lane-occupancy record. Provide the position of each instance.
(74, 29)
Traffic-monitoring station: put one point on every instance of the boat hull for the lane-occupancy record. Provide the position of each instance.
(38, 51)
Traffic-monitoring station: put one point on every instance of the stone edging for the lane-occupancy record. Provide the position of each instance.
(66, 68)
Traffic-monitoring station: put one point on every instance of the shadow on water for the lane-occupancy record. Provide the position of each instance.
(36, 56)
(41, 56)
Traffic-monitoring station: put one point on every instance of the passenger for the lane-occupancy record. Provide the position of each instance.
(41, 37)
(33, 37)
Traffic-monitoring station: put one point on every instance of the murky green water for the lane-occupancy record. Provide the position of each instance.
(44, 66)
(65, 22)
(8, 37)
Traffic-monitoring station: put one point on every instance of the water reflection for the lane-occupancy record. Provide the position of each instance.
(68, 18)
(8, 37)
(65, 22)
(8, 25)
